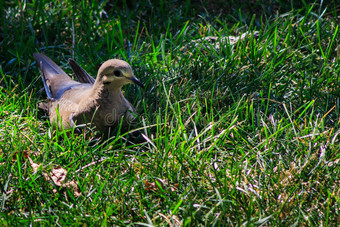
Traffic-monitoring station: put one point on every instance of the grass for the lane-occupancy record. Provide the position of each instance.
(242, 134)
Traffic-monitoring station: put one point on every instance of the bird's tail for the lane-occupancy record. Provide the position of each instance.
(48, 69)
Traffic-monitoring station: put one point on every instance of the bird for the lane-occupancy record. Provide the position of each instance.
(97, 102)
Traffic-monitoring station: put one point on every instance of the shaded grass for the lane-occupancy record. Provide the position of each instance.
(243, 134)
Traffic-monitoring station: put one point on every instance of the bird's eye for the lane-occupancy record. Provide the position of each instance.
(117, 73)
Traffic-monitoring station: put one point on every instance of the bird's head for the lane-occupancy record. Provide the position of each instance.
(117, 73)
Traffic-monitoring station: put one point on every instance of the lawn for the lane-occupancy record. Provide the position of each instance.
(238, 121)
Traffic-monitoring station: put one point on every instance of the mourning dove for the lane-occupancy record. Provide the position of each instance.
(99, 101)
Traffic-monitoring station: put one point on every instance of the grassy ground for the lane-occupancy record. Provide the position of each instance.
(241, 134)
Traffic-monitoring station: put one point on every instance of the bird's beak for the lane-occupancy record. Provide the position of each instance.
(136, 81)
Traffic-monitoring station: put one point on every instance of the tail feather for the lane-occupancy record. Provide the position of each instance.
(46, 64)
(55, 80)
(47, 87)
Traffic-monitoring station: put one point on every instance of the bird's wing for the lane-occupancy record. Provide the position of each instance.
(80, 73)
(55, 80)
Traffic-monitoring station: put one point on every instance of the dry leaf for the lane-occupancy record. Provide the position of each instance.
(25, 154)
(206, 43)
(46, 176)
(35, 166)
(58, 175)
(73, 185)
(164, 184)
(150, 186)
(171, 220)
(174, 187)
